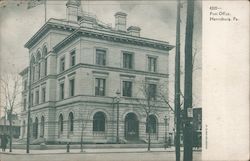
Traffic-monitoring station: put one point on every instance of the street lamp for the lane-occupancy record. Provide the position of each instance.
(117, 115)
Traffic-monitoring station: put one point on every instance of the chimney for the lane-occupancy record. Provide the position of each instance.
(120, 21)
(134, 31)
(72, 10)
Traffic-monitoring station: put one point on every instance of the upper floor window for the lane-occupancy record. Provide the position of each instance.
(152, 64)
(32, 99)
(73, 58)
(25, 85)
(24, 104)
(39, 70)
(37, 97)
(99, 87)
(45, 66)
(33, 73)
(43, 94)
(100, 57)
(127, 88)
(128, 60)
(61, 91)
(72, 87)
(152, 91)
(62, 64)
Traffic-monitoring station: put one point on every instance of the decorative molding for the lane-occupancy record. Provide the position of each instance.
(113, 37)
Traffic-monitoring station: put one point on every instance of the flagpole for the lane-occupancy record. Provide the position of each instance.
(45, 10)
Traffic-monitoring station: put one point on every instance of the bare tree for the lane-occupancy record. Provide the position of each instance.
(83, 127)
(148, 101)
(11, 88)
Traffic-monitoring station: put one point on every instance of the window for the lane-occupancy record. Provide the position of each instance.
(24, 104)
(99, 122)
(32, 99)
(60, 124)
(45, 66)
(100, 57)
(42, 127)
(152, 91)
(72, 87)
(25, 85)
(39, 70)
(127, 60)
(99, 87)
(43, 94)
(151, 124)
(151, 64)
(62, 64)
(35, 128)
(33, 73)
(127, 88)
(37, 97)
(61, 91)
(73, 58)
(71, 122)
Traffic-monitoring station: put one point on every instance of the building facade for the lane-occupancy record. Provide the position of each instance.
(94, 81)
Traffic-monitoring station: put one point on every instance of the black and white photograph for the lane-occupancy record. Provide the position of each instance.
(101, 80)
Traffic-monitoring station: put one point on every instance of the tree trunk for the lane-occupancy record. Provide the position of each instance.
(11, 134)
(149, 132)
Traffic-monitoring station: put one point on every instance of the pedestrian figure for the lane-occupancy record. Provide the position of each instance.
(4, 142)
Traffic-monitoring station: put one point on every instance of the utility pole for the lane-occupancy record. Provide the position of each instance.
(188, 127)
(177, 84)
(29, 107)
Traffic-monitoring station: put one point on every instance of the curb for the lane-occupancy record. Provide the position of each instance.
(84, 152)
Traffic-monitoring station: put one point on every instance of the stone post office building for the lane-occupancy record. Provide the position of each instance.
(86, 79)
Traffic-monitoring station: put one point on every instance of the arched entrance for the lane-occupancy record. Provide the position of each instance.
(131, 127)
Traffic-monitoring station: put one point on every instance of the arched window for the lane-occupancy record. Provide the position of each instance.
(151, 124)
(45, 52)
(99, 121)
(33, 68)
(71, 122)
(60, 124)
(42, 127)
(38, 58)
(35, 128)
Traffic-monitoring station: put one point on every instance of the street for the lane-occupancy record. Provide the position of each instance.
(107, 156)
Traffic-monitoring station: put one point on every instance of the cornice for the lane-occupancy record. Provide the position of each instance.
(113, 37)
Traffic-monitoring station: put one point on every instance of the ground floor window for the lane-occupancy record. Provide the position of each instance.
(42, 127)
(60, 124)
(151, 124)
(99, 121)
(71, 122)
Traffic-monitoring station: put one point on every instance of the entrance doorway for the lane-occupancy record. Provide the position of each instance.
(131, 127)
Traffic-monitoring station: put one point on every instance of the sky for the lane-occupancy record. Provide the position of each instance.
(157, 19)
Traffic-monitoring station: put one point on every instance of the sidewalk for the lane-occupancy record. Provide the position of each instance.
(78, 151)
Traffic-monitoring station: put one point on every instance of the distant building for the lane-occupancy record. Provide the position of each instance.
(197, 126)
(77, 65)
